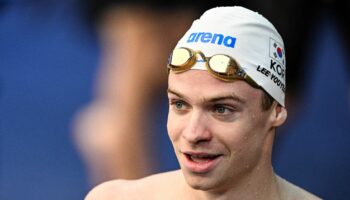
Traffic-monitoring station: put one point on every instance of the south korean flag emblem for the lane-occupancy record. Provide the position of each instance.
(277, 52)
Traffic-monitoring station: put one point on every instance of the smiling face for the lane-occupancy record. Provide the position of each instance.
(218, 129)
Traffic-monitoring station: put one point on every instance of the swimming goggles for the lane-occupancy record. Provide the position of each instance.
(221, 66)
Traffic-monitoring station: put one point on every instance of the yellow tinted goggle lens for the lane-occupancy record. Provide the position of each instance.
(219, 63)
(221, 66)
(224, 66)
(180, 57)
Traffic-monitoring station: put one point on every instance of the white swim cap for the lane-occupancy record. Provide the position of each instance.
(246, 36)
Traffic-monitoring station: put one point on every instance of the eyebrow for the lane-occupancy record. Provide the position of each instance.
(172, 91)
(231, 96)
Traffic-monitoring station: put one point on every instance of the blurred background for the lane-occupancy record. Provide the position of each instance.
(83, 100)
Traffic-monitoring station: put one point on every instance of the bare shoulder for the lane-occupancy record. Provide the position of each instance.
(156, 186)
(293, 192)
(106, 190)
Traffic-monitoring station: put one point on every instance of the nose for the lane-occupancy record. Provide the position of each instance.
(197, 130)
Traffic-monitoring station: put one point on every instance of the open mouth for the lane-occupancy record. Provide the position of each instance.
(201, 158)
(201, 162)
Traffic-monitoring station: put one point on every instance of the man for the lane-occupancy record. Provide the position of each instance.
(226, 89)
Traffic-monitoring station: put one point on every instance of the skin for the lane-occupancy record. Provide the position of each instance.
(224, 119)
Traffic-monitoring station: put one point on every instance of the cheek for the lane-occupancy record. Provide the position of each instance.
(173, 127)
(248, 140)
(245, 134)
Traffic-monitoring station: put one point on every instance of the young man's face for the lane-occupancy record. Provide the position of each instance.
(218, 129)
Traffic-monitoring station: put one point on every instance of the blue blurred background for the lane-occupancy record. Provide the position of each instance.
(48, 60)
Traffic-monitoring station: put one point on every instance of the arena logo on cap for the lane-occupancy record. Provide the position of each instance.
(214, 38)
(277, 52)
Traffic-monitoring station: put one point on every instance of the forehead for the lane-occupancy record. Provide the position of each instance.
(200, 84)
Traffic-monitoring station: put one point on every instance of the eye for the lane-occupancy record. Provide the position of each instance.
(178, 105)
(222, 109)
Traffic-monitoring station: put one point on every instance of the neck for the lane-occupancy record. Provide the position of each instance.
(260, 184)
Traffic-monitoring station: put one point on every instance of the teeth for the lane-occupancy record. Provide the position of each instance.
(201, 156)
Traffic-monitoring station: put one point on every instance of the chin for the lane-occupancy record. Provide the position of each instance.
(200, 186)
(202, 182)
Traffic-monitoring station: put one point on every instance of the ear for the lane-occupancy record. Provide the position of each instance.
(278, 115)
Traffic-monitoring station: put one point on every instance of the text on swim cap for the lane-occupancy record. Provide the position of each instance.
(277, 68)
(214, 38)
(279, 83)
